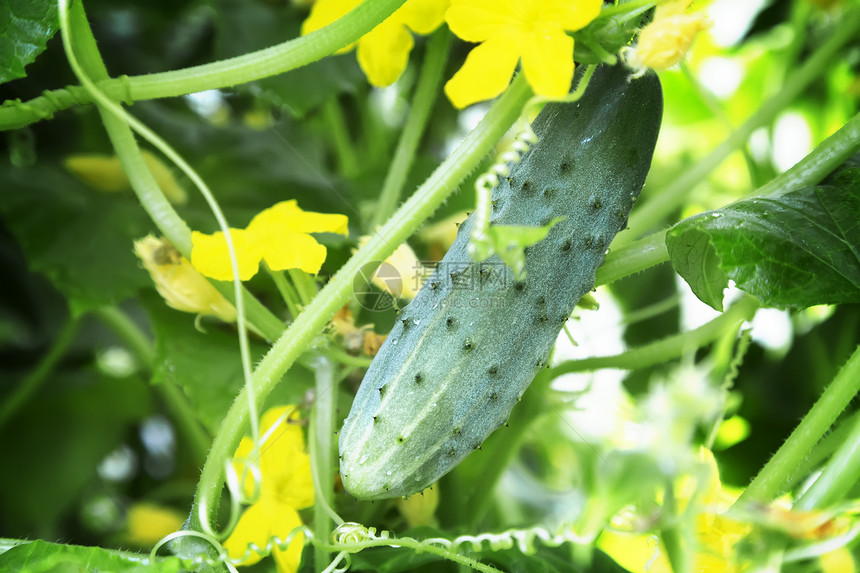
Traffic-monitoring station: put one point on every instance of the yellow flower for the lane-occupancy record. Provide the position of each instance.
(420, 509)
(105, 173)
(716, 535)
(531, 31)
(285, 487)
(147, 523)
(400, 275)
(278, 235)
(181, 286)
(666, 40)
(383, 52)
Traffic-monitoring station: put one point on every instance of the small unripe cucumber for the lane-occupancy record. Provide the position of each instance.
(467, 347)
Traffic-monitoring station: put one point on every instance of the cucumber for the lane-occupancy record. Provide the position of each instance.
(463, 352)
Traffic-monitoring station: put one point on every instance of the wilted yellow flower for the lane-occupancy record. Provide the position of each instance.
(147, 523)
(105, 173)
(383, 52)
(404, 279)
(420, 509)
(285, 487)
(531, 31)
(665, 41)
(181, 286)
(279, 235)
(439, 236)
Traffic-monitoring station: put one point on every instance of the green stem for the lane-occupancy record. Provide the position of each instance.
(671, 533)
(43, 370)
(840, 474)
(770, 481)
(651, 250)
(242, 69)
(288, 293)
(633, 258)
(304, 285)
(145, 187)
(338, 355)
(86, 62)
(335, 123)
(426, 91)
(323, 423)
(668, 348)
(175, 399)
(309, 323)
(821, 162)
(670, 198)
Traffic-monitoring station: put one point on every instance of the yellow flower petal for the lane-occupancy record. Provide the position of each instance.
(288, 214)
(147, 523)
(485, 74)
(210, 256)
(548, 61)
(420, 509)
(324, 12)
(284, 464)
(423, 16)
(179, 283)
(479, 20)
(287, 250)
(258, 524)
(384, 52)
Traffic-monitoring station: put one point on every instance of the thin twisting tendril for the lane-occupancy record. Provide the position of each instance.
(523, 142)
(109, 105)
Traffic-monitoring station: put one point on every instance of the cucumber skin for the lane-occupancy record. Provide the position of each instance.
(458, 360)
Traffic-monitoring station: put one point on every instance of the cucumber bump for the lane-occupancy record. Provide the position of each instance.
(463, 352)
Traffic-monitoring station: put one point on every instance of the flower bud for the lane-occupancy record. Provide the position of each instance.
(664, 42)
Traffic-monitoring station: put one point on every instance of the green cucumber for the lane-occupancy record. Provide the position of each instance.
(463, 352)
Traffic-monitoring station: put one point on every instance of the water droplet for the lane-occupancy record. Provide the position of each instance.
(362, 460)
(388, 473)
(417, 322)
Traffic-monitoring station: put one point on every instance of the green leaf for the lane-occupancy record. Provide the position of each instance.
(80, 239)
(57, 440)
(793, 250)
(25, 28)
(206, 364)
(43, 557)
(509, 242)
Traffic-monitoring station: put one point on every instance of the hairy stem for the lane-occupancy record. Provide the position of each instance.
(242, 69)
(633, 258)
(671, 197)
(668, 348)
(771, 480)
